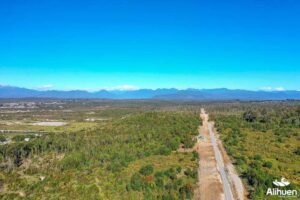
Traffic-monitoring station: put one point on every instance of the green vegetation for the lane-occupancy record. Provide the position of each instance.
(264, 144)
(127, 149)
(131, 156)
(2, 138)
(172, 179)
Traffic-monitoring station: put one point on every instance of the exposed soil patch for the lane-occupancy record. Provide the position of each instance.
(49, 123)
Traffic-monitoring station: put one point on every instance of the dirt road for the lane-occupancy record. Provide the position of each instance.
(216, 179)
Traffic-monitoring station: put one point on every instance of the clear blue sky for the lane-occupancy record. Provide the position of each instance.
(68, 44)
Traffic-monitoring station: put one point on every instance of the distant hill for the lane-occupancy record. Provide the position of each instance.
(226, 94)
(162, 94)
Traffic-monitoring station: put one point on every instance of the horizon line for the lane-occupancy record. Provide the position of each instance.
(120, 89)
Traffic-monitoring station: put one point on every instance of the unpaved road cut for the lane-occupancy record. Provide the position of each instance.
(216, 180)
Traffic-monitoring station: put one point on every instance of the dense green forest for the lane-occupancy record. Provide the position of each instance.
(263, 139)
(132, 156)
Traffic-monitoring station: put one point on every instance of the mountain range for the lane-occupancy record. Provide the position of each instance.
(161, 94)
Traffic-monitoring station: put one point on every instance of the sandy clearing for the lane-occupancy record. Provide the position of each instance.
(49, 123)
(9, 123)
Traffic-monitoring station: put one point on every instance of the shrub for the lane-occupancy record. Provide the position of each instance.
(171, 173)
(146, 170)
(268, 164)
(136, 182)
(191, 173)
(163, 150)
(159, 182)
(174, 143)
(73, 161)
(159, 175)
(2, 138)
(195, 155)
(257, 157)
(249, 116)
(168, 197)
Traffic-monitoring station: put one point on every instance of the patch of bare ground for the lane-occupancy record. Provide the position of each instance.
(49, 123)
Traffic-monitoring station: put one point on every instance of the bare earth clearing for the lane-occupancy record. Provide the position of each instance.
(216, 179)
(49, 123)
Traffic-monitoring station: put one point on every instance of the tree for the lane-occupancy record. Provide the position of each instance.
(249, 116)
